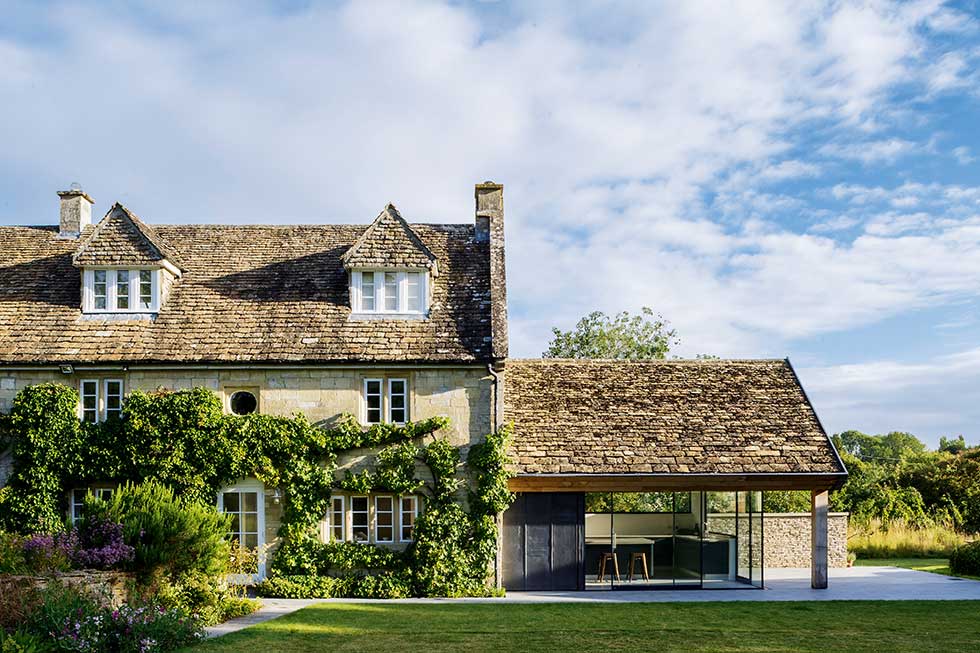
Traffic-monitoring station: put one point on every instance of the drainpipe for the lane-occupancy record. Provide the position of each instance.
(498, 560)
(496, 390)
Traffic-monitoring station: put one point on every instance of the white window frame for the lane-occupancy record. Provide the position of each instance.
(248, 485)
(88, 290)
(332, 518)
(367, 514)
(401, 516)
(105, 397)
(357, 294)
(384, 384)
(377, 524)
(381, 401)
(404, 383)
(81, 399)
(75, 508)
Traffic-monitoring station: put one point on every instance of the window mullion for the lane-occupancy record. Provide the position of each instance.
(402, 292)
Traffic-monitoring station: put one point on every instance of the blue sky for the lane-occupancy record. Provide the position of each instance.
(777, 179)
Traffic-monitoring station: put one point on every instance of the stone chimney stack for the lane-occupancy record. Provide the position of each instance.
(490, 228)
(76, 211)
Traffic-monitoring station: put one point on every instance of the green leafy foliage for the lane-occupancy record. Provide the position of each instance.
(965, 559)
(187, 449)
(386, 585)
(173, 537)
(625, 336)
(894, 477)
(313, 557)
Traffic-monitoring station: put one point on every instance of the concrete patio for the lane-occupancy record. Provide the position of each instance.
(854, 584)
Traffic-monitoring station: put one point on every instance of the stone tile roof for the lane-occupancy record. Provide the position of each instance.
(248, 294)
(121, 238)
(389, 242)
(662, 417)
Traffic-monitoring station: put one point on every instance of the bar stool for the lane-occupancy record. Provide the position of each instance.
(603, 558)
(642, 557)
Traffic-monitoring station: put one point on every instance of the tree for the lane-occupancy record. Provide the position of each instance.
(890, 449)
(952, 446)
(623, 337)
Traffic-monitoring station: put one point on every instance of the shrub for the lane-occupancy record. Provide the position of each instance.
(101, 545)
(965, 559)
(171, 537)
(18, 598)
(21, 641)
(297, 587)
(45, 553)
(233, 607)
(897, 539)
(310, 556)
(12, 559)
(386, 585)
(67, 619)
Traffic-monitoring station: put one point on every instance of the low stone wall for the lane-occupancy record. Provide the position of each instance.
(108, 587)
(787, 537)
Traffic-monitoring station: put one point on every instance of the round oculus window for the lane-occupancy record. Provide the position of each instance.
(243, 403)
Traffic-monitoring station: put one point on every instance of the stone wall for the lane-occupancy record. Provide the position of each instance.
(787, 537)
(110, 588)
(322, 394)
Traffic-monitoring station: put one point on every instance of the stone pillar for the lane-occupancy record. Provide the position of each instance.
(818, 539)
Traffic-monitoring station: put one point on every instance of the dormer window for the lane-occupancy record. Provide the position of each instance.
(390, 292)
(120, 291)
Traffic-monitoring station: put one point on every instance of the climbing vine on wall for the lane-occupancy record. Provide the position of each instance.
(185, 440)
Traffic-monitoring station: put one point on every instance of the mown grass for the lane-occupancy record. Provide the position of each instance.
(838, 626)
(896, 539)
(932, 565)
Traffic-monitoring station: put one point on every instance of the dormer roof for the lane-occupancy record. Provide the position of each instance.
(121, 238)
(389, 242)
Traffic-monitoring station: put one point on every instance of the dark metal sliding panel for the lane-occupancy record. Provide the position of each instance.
(512, 545)
(542, 542)
(567, 528)
(538, 541)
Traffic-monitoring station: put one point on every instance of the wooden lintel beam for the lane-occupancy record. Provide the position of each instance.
(638, 483)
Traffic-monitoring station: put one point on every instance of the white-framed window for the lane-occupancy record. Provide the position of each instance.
(393, 292)
(120, 290)
(245, 502)
(337, 519)
(113, 398)
(360, 525)
(384, 519)
(145, 289)
(373, 399)
(243, 505)
(100, 289)
(88, 391)
(78, 500)
(397, 401)
(409, 510)
(386, 402)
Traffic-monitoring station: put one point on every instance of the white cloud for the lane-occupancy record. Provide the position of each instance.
(963, 155)
(642, 146)
(925, 398)
(868, 152)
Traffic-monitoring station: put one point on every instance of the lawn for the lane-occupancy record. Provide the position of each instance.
(572, 627)
(933, 565)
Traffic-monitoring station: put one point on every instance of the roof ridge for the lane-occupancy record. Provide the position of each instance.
(645, 361)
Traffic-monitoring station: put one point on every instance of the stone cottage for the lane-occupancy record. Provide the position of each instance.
(639, 475)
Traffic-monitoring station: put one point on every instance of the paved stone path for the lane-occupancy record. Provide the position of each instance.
(854, 584)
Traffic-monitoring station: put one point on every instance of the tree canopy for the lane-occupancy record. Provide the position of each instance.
(623, 337)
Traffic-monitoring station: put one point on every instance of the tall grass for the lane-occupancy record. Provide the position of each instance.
(897, 539)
